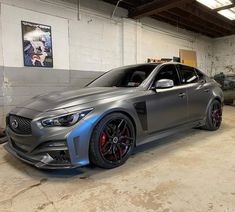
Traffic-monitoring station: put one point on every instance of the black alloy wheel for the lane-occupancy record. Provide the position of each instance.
(112, 141)
(214, 116)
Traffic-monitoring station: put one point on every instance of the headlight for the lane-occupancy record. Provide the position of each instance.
(65, 120)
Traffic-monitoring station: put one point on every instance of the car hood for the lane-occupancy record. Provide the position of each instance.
(65, 99)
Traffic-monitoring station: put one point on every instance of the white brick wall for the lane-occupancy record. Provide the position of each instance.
(224, 55)
(96, 42)
(12, 40)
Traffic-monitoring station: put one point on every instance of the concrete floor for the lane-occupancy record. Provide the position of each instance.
(191, 171)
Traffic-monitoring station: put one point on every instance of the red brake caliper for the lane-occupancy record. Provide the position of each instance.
(102, 140)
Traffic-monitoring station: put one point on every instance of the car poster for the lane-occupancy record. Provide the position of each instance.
(37, 45)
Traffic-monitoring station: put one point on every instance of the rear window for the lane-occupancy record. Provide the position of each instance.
(188, 74)
(200, 75)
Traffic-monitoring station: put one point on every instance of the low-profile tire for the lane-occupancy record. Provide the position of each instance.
(112, 141)
(214, 116)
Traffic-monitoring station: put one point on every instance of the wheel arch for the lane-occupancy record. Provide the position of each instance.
(93, 148)
(218, 99)
(208, 119)
(122, 111)
(211, 100)
(119, 110)
(128, 115)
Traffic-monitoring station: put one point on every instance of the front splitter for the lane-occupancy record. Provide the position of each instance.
(39, 164)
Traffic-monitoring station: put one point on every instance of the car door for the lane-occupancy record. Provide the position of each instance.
(198, 91)
(167, 107)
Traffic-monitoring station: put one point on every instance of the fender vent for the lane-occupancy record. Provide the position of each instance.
(141, 110)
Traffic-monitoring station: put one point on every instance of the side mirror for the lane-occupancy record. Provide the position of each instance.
(164, 83)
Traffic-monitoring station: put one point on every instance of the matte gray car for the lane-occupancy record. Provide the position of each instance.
(103, 122)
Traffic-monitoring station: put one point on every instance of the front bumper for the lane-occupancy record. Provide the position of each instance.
(76, 139)
(42, 162)
(35, 149)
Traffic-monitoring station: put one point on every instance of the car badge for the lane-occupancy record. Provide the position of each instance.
(14, 124)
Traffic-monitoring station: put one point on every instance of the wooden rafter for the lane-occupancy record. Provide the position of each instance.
(155, 7)
(198, 21)
(183, 21)
(175, 23)
(207, 17)
(187, 14)
(217, 17)
(225, 7)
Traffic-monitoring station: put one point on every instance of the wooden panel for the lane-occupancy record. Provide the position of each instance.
(188, 57)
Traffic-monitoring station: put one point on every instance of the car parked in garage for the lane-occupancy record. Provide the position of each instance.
(227, 83)
(103, 122)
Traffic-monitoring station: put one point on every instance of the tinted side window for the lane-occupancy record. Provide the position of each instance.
(168, 72)
(128, 76)
(188, 74)
(200, 74)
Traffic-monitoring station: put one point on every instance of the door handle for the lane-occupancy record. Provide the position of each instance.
(182, 95)
(207, 90)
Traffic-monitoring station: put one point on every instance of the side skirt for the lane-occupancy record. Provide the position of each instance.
(162, 134)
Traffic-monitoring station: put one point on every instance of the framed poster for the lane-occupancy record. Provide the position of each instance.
(37, 45)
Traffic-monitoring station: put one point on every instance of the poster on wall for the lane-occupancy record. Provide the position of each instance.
(37, 45)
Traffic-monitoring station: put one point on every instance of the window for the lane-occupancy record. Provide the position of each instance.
(129, 76)
(188, 74)
(168, 72)
(200, 75)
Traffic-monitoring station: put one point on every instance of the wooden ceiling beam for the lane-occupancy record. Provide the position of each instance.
(183, 21)
(217, 17)
(207, 17)
(190, 15)
(177, 24)
(155, 7)
(185, 16)
(225, 7)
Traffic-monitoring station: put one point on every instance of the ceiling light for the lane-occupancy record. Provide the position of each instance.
(228, 13)
(215, 4)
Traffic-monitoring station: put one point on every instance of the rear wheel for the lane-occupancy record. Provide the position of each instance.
(112, 141)
(214, 116)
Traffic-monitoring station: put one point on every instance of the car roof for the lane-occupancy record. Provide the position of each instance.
(173, 63)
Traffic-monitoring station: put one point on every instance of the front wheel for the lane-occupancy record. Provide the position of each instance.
(112, 141)
(214, 116)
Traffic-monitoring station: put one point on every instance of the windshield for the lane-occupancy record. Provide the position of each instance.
(129, 76)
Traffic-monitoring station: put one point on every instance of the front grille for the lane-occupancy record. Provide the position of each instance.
(19, 125)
